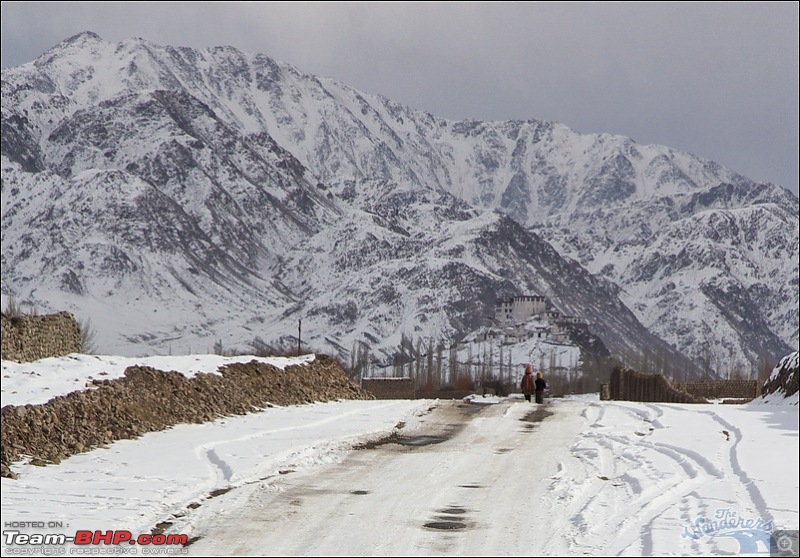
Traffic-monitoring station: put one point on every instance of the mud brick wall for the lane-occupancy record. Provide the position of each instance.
(389, 388)
(629, 385)
(150, 400)
(721, 389)
(29, 338)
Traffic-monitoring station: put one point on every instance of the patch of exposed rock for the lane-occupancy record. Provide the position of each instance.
(149, 400)
(783, 380)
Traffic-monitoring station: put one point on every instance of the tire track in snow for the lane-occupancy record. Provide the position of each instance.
(221, 472)
(735, 469)
(640, 484)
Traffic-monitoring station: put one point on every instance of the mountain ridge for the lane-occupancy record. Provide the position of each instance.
(295, 143)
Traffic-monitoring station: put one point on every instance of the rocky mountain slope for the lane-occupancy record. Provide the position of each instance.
(184, 196)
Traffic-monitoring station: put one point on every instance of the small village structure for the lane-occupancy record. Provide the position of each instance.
(513, 321)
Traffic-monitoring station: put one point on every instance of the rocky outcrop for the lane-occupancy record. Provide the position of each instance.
(149, 400)
(783, 381)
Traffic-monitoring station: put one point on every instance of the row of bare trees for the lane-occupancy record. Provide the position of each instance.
(437, 365)
(442, 364)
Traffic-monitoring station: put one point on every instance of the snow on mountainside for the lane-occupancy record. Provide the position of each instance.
(216, 194)
(716, 278)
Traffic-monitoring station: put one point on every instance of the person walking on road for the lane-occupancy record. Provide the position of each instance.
(528, 385)
(540, 387)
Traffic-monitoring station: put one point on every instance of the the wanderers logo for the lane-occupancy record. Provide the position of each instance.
(752, 534)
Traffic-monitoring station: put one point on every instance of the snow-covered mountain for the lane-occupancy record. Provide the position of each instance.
(181, 196)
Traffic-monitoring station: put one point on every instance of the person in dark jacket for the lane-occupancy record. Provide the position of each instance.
(528, 385)
(540, 387)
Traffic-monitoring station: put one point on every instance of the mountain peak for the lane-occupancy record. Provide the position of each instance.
(78, 45)
(80, 40)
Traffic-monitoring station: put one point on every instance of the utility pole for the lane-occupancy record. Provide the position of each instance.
(299, 330)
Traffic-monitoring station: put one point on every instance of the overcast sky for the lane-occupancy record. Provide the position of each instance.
(719, 80)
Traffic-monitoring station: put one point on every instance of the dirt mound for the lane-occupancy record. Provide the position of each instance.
(149, 400)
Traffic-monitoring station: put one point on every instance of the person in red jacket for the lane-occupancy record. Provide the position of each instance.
(528, 385)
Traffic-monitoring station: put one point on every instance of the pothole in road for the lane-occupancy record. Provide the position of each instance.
(359, 492)
(413, 441)
(377, 443)
(445, 525)
(472, 485)
(420, 440)
(453, 511)
(448, 519)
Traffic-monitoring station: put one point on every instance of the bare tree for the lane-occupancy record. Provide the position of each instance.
(439, 358)
(418, 359)
(12, 309)
(88, 337)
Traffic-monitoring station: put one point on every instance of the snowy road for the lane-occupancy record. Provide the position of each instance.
(477, 491)
(579, 477)
(590, 478)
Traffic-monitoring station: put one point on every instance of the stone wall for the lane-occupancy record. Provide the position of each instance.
(389, 388)
(149, 400)
(29, 338)
(733, 389)
(629, 385)
(403, 388)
